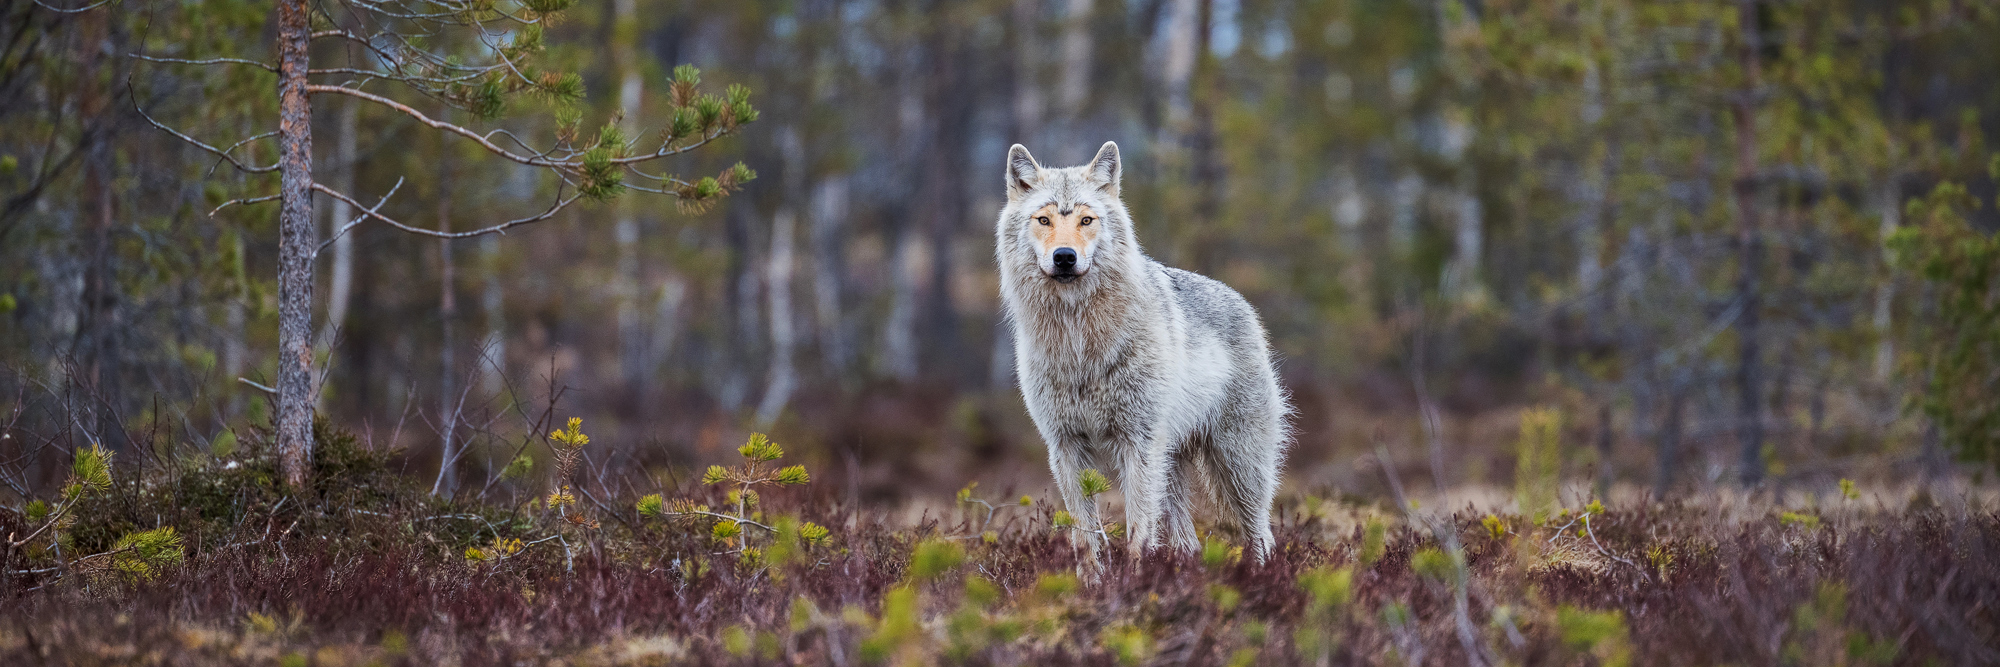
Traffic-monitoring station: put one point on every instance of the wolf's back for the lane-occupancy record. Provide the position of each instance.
(1214, 309)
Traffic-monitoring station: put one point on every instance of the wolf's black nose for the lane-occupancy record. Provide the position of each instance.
(1065, 259)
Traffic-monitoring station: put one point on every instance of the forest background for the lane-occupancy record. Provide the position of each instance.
(1730, 242)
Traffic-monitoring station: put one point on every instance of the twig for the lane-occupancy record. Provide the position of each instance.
(373, 212)
(351, 224)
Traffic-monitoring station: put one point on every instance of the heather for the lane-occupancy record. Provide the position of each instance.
(755, 563)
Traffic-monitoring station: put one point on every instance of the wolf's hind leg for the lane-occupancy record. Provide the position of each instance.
(1242, 470)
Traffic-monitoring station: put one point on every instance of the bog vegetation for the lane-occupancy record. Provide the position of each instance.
(205, 557)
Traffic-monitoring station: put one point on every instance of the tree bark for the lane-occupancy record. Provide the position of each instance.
(1750, 246)
(297, 239)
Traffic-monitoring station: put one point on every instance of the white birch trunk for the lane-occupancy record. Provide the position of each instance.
(340, 281)
(829, 226)
(784, 377)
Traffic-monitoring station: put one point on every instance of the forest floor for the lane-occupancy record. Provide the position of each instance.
(757, 566)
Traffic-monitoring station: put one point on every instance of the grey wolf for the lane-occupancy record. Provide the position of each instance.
(1160, 378)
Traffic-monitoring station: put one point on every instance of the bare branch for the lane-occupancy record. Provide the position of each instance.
(501, 228)
(205, 61)
(664, 151)
(197, 142)
(351, 224)
(246, 200)
(436, 124)
(79, 10)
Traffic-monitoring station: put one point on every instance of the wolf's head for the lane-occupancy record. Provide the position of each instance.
(1064, 222)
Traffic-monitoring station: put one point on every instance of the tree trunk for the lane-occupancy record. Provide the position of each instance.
(829, 233)
(297, 239)
(1669, 443)
(447, 478)
(1750, 246)
(492, 300)
(944, 209)
(784, 375)
(633, 343)
(1074, 87)
(899, 344)
(96, 346)
(1890, 202)
(340, 282)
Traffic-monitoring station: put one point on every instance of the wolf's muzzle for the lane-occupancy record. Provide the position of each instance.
(1065, 265)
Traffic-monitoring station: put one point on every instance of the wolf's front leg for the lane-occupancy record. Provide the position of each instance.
(1143, 469)
(1067, 460)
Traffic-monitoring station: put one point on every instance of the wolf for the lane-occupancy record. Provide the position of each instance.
(1160, 377)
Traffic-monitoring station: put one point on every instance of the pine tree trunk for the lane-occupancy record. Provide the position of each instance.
(1750, 246)
(297, 239)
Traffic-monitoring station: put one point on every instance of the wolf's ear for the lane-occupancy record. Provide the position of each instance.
(1022, 172)
(1106, 168)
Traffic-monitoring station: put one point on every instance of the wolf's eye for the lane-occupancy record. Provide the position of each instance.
(1087, 219)
(1043, 219)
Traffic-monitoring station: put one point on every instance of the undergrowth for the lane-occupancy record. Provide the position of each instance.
(208, 559)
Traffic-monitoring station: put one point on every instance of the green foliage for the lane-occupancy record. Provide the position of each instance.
(1959, 353)
(1538, 462)
(143, 554)
(1847, 490)
(760, 449)
(223, 444)
(715, 475)
(1602, 634)
(1328, 592)
(813, 534)
(933, 558)
(1216, 553)
(1327, 589)
(1437, 565)
(1374, 541)
(1131, 644)
(791, 476)
(1804, 520)
(90, 472)
(1093, 482)
(519, 467)
(37, 510)
(651, 505)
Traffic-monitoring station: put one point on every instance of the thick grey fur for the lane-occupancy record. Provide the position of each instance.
(1156, 376)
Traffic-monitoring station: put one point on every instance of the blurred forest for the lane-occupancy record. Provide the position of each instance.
(1732, 242)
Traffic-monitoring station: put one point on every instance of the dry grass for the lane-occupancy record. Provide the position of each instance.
(367, 570)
